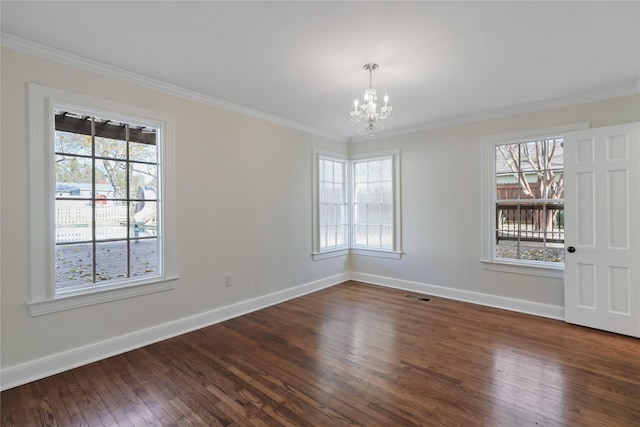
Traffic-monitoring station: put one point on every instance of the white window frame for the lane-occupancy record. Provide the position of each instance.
(345, 163)
(43, 295)
(317, 252)
(488, 214)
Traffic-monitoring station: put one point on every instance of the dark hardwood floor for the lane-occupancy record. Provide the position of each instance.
(353, 354)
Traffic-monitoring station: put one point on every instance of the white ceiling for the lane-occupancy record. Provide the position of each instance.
(302, 61)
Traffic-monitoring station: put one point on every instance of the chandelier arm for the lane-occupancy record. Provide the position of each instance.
(367, 114)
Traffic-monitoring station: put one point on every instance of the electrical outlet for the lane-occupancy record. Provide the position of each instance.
(229, 279)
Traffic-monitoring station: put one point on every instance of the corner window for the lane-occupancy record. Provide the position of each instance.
(102, 195)
(332, 182)
(356, 205)
(373, 203)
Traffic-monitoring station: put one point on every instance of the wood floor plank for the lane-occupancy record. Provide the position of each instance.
(353, 354)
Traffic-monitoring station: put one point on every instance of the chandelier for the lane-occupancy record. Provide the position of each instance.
(367, 113)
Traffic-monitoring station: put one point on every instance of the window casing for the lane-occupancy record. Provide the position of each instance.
(102, 196)
(523, 201)
(356, 205)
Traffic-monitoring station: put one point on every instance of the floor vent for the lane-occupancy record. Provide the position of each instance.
(417, 298)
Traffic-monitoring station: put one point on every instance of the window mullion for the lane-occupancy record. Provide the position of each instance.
(93, 201)
(127, 199)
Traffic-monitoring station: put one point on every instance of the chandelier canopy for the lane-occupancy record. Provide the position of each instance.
(367, 114)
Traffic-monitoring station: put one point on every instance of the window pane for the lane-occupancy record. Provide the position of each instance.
(73, 220)
(111, 179)
(360, 174)
(361, 192)
(338, 193)
(145, 176)
(111, 261)
(341, 235)
(531, 154)
(386, 170)
(341, 214)
(331, 235)
(373, 235)
(73, 176)
(111, 148)
(360, 216)
(338, 172)
(507, 158)
(374, 192)
(328, 171)
(374, 171)
(386, 214)
(111, 221)
(74, 265)
(361, 235)
(143, 152)
(387, 192)
(554, 252)
(331, 214)
(72, 143)
(144, 258)
(386, 238)
(145, 216)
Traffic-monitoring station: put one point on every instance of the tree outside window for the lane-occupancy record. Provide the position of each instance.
(530, 200)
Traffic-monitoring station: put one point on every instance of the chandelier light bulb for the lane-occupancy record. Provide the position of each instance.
(367, 114)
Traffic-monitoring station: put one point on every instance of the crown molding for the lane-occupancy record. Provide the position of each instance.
(36, 49)
(506, 112)
(66, 58)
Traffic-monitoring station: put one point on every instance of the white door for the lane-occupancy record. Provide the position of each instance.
(602, 228)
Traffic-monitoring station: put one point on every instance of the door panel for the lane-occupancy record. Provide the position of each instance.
(602, 211)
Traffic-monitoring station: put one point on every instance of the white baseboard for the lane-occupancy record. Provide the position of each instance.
(511, 304)
(50, 365)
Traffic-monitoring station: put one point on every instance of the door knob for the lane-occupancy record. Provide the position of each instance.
(571, 249)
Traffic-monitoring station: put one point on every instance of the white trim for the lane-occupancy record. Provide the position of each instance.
(521, 268)
(333, 253)
(30, 371)
(397, 202)
(50, 365)
(316, 252)
(378, 253)
(488, 196)
(511, 304)
(62, 57)
(43, 298)
(505, 112)
(110, 294)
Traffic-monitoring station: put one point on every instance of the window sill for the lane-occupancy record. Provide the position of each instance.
(556, 272)
(356, 251)
(84, 299)
(376, 253)
(333, 253)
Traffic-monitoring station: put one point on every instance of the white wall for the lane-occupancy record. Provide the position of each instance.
(244, 206)
(441, 204)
